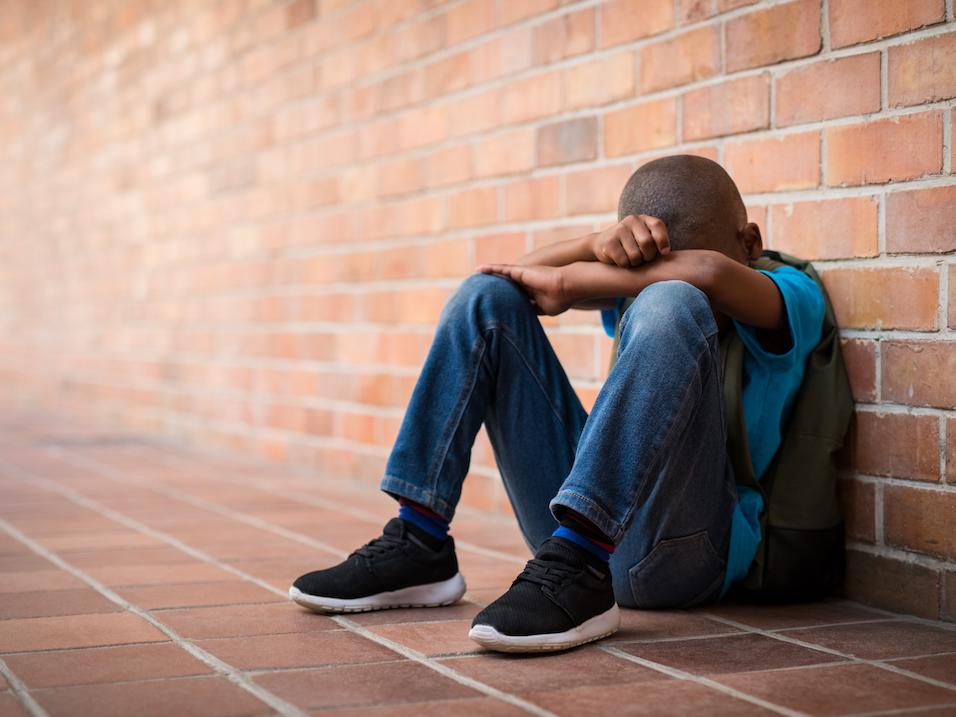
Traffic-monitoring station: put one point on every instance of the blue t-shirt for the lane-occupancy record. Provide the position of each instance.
(770, 385)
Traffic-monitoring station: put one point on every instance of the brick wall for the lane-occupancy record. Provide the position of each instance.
(235, 222)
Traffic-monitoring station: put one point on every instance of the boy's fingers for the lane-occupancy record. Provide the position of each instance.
(658, 232)
(631, 248)
(645, 242)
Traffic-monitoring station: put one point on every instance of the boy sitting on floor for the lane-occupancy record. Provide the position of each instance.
(635, 504)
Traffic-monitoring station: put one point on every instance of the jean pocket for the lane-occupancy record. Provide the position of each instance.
(678, 572)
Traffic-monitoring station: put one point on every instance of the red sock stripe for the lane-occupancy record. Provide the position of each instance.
(589, 531)
(418, 507)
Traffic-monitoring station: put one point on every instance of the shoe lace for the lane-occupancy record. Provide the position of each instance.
(379, 546)
(547, 573)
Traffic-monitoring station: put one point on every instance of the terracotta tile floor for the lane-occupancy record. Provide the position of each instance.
(143, 578)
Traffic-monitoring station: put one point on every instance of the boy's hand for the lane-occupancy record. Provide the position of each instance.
(544, 285)
(631, 242)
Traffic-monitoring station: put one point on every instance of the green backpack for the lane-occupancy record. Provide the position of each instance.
(801, 551)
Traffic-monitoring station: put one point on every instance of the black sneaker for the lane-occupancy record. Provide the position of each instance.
(398, 569)
(562, 598)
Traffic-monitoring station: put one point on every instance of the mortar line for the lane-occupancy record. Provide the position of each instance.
(176, 494)
(219, 666)
(701, 680)
(235, 675)
(746, 628)
(901, 710)
(21, 691)
(878, 663)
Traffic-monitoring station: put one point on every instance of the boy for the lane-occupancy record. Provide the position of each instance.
(635, 504)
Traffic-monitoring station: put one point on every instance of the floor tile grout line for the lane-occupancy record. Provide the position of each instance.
(97, 465)
(881, 664)
(219, 666)
(317, 502)
(169, 457)
(706, 682)
(445, 670)
(22, 692)
(348, 624)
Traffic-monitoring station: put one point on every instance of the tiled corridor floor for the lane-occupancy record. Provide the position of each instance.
(141, 578)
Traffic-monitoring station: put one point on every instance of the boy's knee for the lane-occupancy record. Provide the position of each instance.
(667, 306)
(490, 292)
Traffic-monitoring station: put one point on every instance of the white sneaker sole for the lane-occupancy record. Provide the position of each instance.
(607, 623)
(437, 594)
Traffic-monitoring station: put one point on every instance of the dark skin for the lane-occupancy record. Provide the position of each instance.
(588, 272)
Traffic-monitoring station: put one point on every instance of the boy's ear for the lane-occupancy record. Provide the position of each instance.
(752, 241)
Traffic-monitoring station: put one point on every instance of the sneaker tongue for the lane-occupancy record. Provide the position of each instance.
(395, 527)
(559, 549)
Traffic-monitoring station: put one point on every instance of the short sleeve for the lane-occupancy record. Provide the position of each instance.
(804, 304)
(609, 317)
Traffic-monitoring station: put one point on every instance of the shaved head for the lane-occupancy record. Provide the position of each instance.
(694, 197)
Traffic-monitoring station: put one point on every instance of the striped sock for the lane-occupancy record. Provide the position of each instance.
(583, 532)
(425, 518)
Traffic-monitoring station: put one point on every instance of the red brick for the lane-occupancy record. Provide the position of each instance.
(450, 165)
(468, 19)
(859, 355)
(530, 98)
(730, 107)
(695, 10)
(532, 198)
(920, 519)
(775, 164)
(564, 36)
(857, 154)
(884, 298)
(853, 21)
(510, 12)
(567, 141)
(599, 81)
(952, 296)
(505, 153)
(951, 466)
(449, 74)
(725, 5)
(858, 500)
(499, 247)
(895, 444)
(806, 93)
(472, 113)
(892, 584)
(950, 613)
(922, 220)
(625, 20)
(826, 229)
(473, 207)
(648, 125)
(691, 56)
(595, 191)
(922, 71)
(504, 55)
(773, 34)
(400, 177)
(919, 373)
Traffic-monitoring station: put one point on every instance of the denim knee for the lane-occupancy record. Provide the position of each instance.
(492, 294)
(668, 306)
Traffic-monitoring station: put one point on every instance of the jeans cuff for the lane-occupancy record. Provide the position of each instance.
(396, 487)
(589, 509)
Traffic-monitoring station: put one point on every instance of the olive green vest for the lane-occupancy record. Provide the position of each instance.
(801, 551)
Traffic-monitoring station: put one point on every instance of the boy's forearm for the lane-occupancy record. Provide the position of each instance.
(596, 280)
(561, 253)
(733, 289)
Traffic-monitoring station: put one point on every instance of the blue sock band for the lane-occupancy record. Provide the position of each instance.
(574, 536)
(432, 526)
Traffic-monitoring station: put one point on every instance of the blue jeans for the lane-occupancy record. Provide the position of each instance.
(648, 466)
